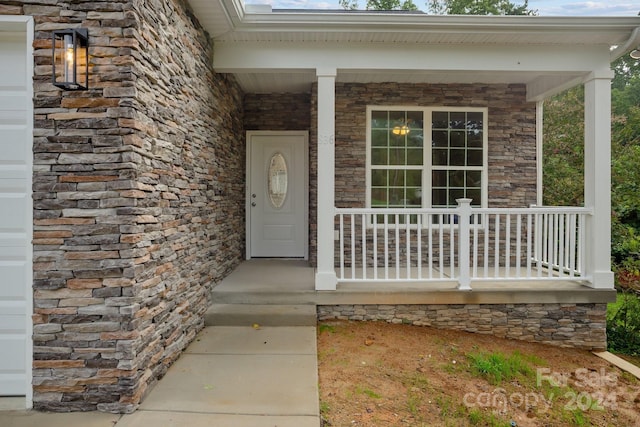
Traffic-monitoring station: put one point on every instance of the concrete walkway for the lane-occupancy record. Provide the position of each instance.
(229, 376)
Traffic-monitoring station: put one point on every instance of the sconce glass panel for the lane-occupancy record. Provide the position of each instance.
(71, 59)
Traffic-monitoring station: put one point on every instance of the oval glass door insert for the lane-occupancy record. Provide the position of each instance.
(278, 180)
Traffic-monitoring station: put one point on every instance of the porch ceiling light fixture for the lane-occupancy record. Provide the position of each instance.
(71, 59)
(635, 54)
(401, 130)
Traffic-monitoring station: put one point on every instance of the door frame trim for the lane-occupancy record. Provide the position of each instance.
(26, 25)
(249, 135)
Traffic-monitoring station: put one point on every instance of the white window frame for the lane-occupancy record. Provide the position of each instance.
(427, 166)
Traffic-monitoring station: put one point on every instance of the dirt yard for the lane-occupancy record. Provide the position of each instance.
(380, 374)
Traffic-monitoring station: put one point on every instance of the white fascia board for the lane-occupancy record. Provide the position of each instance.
(235, 9)
(313, 21)
(269, 57)
(319, 21)
(218, 17)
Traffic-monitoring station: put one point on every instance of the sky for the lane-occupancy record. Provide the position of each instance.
(544, 7)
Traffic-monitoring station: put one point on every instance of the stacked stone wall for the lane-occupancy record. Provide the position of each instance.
(564, 325)
(190, 157)
(511, 132)
(277, 111)
(138, 200)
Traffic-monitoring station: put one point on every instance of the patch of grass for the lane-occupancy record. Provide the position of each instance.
(416, 380)
(326, 328)
(414, 402)
(416, 384)
(324, 408)
(576, 417)
(475, 417)
(534, 360)
(478, 417)
(367, 392)
(496, 367)
(629, 377)
(449, 409)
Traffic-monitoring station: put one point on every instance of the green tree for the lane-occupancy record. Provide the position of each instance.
(380, 4)
(563, 149)
(625, 68)
(391, 5)
(478, 7)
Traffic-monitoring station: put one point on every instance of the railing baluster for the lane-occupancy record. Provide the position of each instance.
(572, 245)
(551, 243)
(430, 230)
(476, 225)
(397, 230)
(561, 244)
(408, 243)
(341, 246)
(487, 235)
(363, 224)
(581, 245)
(353, 246)
(375, 247)
(518, 243)
(545, 240)
(507, 246)
(441, 249)
(452, 259)
(419, 243)
(567, 240)
(529, 242)
(386, 247)
(556, 244)
(496, 272)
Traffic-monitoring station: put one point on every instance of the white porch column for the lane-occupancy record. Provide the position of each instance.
(597, 177)
(464, 215)
(325, 274)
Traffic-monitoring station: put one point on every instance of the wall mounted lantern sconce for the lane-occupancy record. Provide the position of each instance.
(71, 59)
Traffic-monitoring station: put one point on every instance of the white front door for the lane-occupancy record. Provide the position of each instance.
(277, 194)
(15, 209)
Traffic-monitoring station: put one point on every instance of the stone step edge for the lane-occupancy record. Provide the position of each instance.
(261, 314)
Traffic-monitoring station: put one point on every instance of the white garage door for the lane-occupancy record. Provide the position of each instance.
(15, 208)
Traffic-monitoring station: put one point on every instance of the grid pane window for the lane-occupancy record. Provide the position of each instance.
(407, 172)
(397, 158)
(457, 157)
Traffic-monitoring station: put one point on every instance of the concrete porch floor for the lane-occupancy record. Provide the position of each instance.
(282, 281)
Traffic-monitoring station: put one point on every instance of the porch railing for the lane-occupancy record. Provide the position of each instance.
(461, 244)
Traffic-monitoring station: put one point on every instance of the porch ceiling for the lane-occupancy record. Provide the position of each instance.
(241, 31)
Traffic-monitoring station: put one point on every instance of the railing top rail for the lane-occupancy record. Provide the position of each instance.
(536, 209)
(455, 210)
(400, 211)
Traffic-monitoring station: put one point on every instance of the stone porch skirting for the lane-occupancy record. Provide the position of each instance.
(580, 326)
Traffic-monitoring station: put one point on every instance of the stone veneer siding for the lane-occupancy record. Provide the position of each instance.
(277, 111)
(564, 325)
(511, 133)
(138, 199)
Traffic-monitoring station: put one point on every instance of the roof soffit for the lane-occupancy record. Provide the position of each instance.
(233, 28)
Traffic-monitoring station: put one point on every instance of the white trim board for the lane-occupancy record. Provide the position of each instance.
(25, 25)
